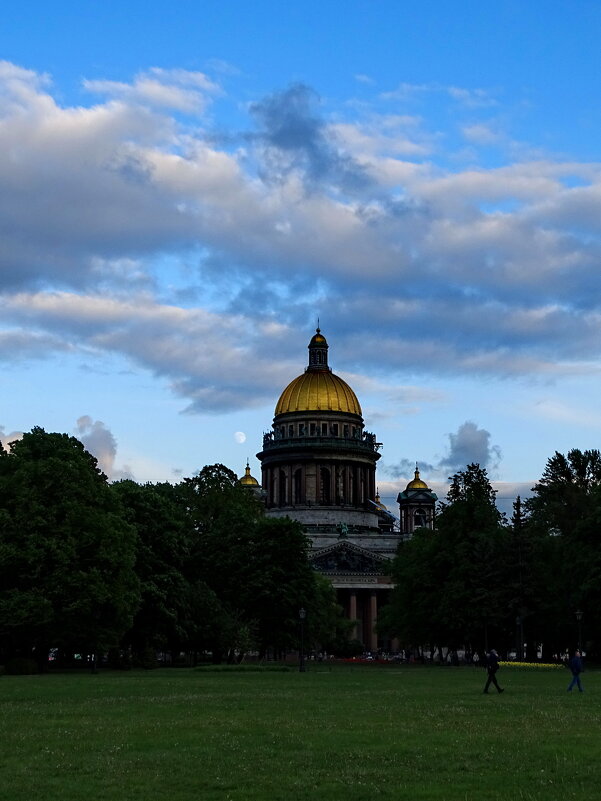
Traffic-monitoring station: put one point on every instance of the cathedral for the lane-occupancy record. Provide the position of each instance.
(318, 466)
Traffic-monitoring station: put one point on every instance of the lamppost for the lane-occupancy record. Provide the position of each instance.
(578, 614)
(302, 614)
(519, 639)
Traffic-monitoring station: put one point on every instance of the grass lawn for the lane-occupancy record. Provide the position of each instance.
(341, 734)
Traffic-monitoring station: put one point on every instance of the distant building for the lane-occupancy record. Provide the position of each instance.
(319, 467)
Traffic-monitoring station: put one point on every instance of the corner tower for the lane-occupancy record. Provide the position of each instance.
(416, 506)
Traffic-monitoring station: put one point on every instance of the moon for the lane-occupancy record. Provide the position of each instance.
(240, 437)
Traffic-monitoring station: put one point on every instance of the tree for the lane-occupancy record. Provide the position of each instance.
(471, 537)
(163, 620)
(256, 566)
(419, 572)
(449, 587)
(566, 509)
(66, 551)
(327, 629)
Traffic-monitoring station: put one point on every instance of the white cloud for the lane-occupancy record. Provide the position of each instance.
(572, 414)
(101, 443)
(468, 97)
(6, 439)
(170, 89)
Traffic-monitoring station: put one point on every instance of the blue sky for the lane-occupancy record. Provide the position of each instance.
(185, 187)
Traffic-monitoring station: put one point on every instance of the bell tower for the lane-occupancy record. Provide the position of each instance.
(416, 506)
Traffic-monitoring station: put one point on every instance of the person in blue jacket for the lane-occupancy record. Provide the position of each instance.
(576, 668)
(492, 665)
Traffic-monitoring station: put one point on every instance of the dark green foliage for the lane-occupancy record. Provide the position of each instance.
(257, 567)
(449, 581)
(567, 506)
(162, 544)
(477, 579)
(326, 627)
(138, 569)
(66, 553)
(21, 666)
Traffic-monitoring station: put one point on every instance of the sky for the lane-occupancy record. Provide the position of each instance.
(187, 187)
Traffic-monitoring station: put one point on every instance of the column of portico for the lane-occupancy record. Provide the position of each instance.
(373, 619)
(353, 614)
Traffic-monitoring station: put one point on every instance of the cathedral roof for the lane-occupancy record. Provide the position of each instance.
(318, 388)
(318, 392)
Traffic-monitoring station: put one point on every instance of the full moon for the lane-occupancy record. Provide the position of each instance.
(240, 437)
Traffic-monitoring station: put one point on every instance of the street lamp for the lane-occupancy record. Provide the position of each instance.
(302, 614)
(519, 637)
(578, 614)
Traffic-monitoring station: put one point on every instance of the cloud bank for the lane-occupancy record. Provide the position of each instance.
(133, 226)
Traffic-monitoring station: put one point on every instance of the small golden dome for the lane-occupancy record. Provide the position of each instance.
(247, 480)
(417, 483)
(318, 391)
(379, 503)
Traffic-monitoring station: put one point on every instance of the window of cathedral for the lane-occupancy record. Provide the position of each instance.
(335, 429)
(290, 431)
(324, 429)
(301, 429)
(346, 431)
(312, 429)
(420, 518)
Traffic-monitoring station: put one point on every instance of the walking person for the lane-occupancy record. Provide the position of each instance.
(576, 668)
(492, 665)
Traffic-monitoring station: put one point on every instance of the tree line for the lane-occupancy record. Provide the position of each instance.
(478, 580)
(196, 567)
(90, 568)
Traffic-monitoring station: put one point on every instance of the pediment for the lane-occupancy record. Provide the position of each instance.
(344, 558)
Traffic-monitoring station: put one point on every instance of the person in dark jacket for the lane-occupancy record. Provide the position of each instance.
(576, 668)
(492, 665)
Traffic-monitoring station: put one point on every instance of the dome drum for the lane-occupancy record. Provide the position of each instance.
(363, 443)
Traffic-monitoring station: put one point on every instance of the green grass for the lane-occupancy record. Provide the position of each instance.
(344, 734)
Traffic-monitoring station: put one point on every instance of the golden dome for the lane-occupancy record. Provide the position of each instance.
(417, 483)
(247, 480)
(318, 338)
(318, 390)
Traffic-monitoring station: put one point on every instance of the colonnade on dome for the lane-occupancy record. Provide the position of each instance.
(324, 483)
